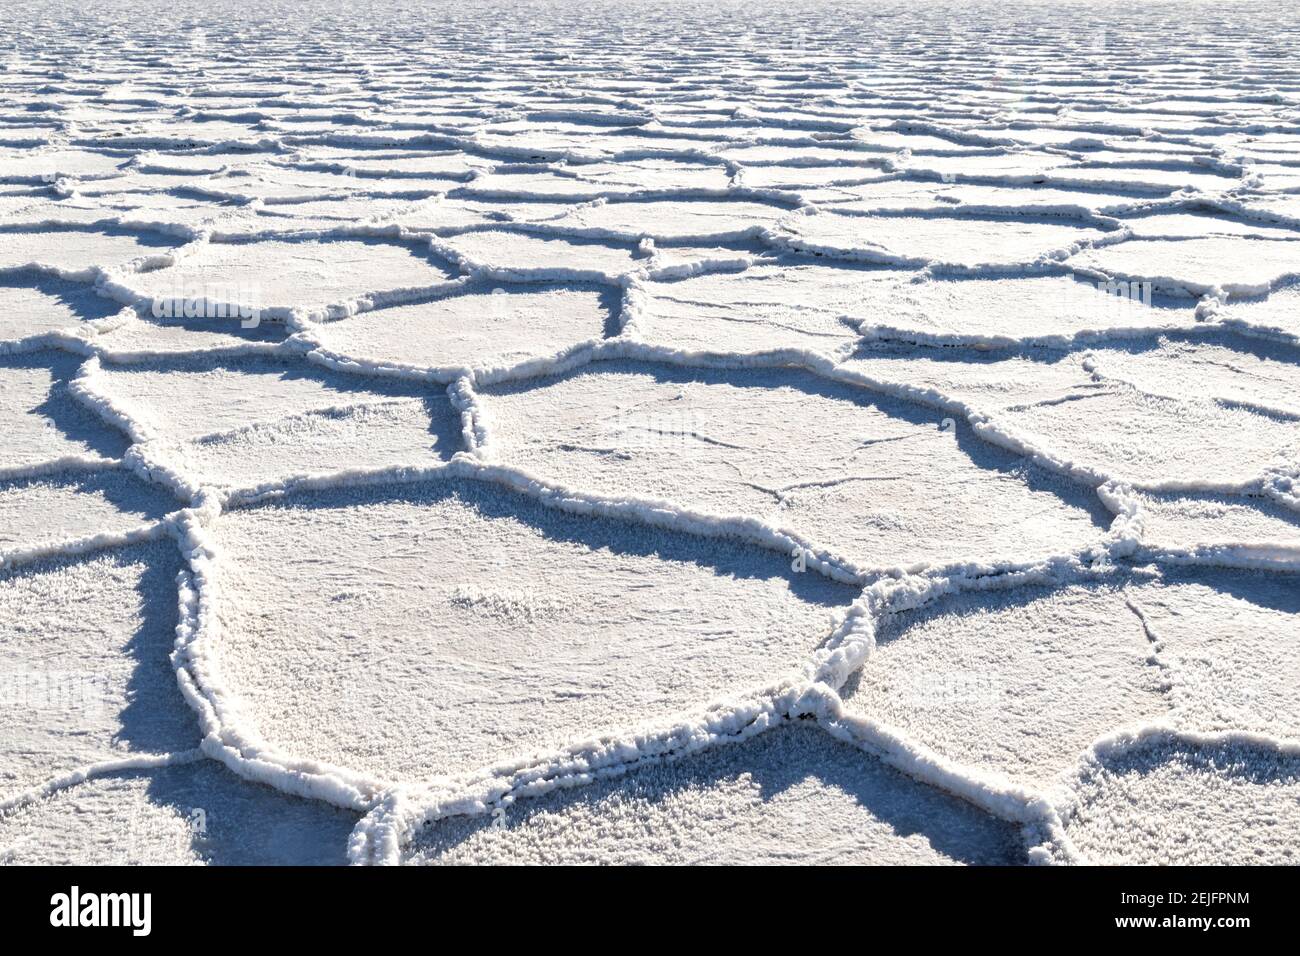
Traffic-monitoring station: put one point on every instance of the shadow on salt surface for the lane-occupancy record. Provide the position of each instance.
(251, 825)
(1170, 803)
(791, 795)
(77, 247)
(1205, 338)
(165, 328)
(79, 429)
(77, 299)
(1276, 592)
(87, 670)
(155, 709)
(68, 505)
(197, 813)
(990, 457)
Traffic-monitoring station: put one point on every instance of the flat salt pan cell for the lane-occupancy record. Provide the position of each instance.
(1237, 265)
(543, 256)
(1229, 642)
(485, 626)
(653, 174)
(681, 220)
(917, 241)
(1277, 313)
(793, 177)
(349, 210)
(874, 479)
(182, 401)
(540, 185)
(1256, 375)
(1157, 181)
(985, 382)
(1249, 524)
(1285, 207)
(451, 216)
(456, 165)
(761, 309)
(49, 165)
(1016, 682)
(78, 250)
(403, 432)
(309, 276)
(1189, 226)
(1037, 310)
(67, 506)
(1012, 166)
(500, 328)
(1125, 433)
(1040, 199)
(132, 339)
(274, 183)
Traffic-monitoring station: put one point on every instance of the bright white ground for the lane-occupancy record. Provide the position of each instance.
(649, 432)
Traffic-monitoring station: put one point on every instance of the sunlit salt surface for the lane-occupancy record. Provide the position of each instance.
(649, 433)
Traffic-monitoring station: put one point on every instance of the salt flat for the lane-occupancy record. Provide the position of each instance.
(649, 433)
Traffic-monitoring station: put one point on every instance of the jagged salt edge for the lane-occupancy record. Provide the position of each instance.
(140, 761)
(75, 463)
(71, 547)
(381, 835)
